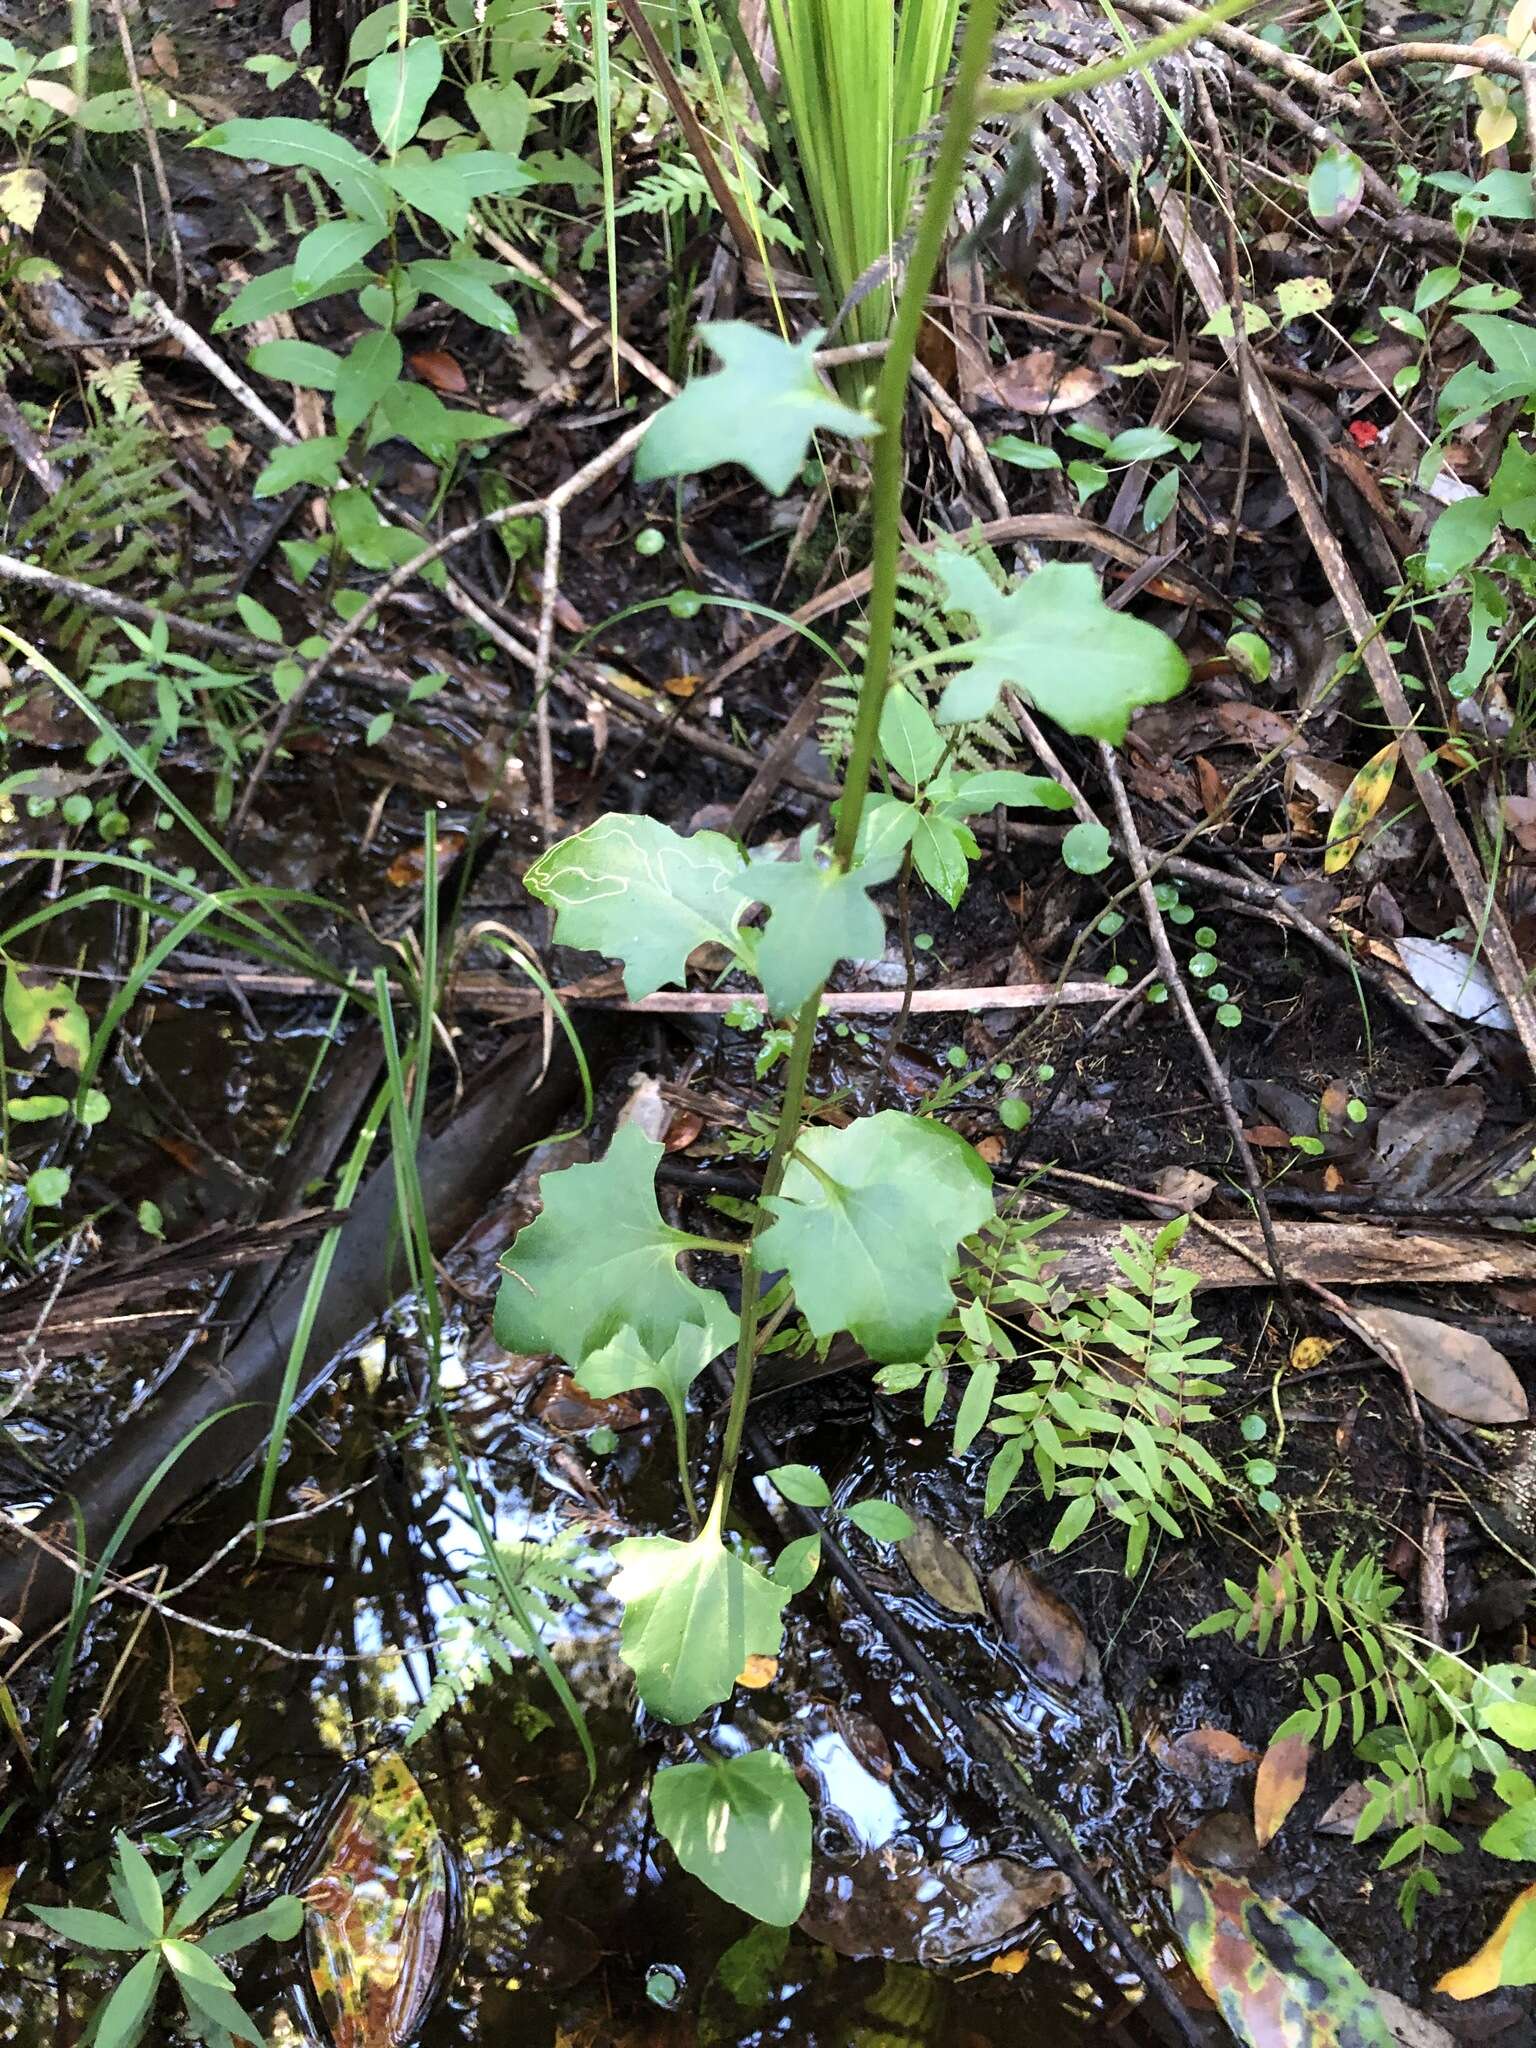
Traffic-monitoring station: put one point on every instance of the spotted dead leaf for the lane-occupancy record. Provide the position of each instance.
(1297, 296)
(940, 1570)
(1276, 1978)
(1357, 808)
(1040, 383)
(1457, 1370)
(41, 1011)
(1281, 1781)
(382, 1895)
(1194, 1755)
(1508, 1956)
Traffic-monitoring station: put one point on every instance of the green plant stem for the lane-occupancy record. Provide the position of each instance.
(790, 1111)
(890, 412)
(890, 469)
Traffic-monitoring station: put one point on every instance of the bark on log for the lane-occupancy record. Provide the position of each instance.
(508, 1108)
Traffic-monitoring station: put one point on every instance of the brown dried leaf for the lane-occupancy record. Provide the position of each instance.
(1281, 1781)
(1038, 383)
(442, 371)
(407, 868)
(1456, 1369)
(1044, 1630)
(931, 1913)
(163, 49)
(1196, 1754)
(1424, 1134)
(940, 1570)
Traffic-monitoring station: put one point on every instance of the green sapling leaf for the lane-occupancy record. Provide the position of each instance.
(1055, 641)
(635, 889)
(868, 1226)
(625, 1366)
(742, 1826)
(693, 1614)
(600, 1259)
(820, 914)
(760, 409)
(397, 87)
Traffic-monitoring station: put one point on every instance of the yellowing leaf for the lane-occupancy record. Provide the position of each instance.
(758, 1672)
(46, 1013)
(1281, 1781)
(1299, 295)
(1009, 1965)
(21, 197)
(7, 1879)
(1311, 1351)
(1496, 120)
(1520, 29)
(1485, 1971)
(1358, 806)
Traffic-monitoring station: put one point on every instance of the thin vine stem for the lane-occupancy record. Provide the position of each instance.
(889, 475)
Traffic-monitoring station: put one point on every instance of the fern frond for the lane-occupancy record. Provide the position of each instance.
(480, 1635)
(102, 527)
(923, 638)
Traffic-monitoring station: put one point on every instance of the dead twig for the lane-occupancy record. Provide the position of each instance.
(1158, 933)
(157, 162)
(514, 258)
(1484, 915)
(407, 572)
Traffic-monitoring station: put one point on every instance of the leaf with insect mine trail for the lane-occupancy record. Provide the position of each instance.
(45, 1012)
(642, 893)
(1358, 806)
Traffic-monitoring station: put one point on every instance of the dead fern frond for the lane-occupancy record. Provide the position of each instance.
(1130, 124)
